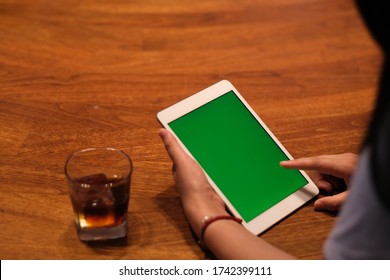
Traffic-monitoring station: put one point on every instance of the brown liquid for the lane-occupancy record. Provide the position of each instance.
(100, 201)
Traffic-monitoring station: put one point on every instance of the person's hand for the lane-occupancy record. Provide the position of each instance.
(226, 239)
(331, 174)
(197, 196)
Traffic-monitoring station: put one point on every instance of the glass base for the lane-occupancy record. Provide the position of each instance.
(106, 233)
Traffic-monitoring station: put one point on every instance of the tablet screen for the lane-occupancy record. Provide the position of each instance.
(238, 154)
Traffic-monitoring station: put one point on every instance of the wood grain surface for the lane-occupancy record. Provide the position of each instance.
(76, 74)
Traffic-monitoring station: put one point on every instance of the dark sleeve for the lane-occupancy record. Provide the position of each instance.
(381, 160)
(376, 14)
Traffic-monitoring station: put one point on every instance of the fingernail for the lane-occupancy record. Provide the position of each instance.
(318, 204)
(161, 133)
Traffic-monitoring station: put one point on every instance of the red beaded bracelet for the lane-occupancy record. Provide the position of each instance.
(208, 220)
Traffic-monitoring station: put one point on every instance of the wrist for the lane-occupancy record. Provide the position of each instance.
(197, 209)
(208, 220)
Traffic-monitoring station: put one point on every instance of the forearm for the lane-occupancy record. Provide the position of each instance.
(228, 239)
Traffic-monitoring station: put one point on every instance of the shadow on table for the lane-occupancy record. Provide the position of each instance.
(169, 202)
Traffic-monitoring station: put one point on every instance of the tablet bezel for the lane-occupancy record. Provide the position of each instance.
(277, 212)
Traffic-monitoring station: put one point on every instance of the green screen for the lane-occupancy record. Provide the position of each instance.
(238, 155)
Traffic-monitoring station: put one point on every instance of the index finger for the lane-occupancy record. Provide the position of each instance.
(322, 164)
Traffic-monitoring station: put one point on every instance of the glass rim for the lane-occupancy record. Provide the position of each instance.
(119, 151)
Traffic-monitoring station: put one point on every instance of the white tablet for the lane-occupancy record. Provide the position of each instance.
(239, 155)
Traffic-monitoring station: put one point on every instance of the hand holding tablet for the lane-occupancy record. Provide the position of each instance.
(239, 155)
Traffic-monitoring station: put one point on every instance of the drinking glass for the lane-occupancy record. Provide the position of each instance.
(99, 182)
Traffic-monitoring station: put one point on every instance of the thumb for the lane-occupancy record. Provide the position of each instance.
(331, 203)
(175, 151)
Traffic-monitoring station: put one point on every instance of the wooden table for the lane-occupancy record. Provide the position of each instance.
(77, 74)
